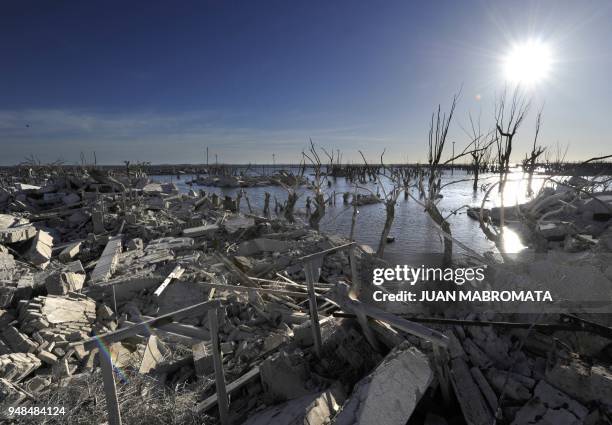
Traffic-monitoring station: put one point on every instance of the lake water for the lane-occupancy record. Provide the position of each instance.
(415, 235)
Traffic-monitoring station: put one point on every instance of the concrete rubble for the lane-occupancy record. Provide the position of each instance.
(91, 253)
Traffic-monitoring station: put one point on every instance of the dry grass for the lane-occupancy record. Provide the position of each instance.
(142, 400)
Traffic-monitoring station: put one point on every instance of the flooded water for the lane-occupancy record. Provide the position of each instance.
(415, 235)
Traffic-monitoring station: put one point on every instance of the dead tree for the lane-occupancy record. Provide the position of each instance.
(555, 158)
(530, 162)
(266, 207)
(318, 183)
(354, 216)
(507, 124)
(438, 133)
(481, 152)
(292, 194)
(389, 198)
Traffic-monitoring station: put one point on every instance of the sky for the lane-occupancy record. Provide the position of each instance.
(161, 81)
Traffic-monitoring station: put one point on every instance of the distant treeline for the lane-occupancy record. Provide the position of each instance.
(337, 170)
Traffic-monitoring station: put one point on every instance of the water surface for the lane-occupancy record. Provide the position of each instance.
(414, 232)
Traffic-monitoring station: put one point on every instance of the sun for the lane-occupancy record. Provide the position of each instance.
(528, 63)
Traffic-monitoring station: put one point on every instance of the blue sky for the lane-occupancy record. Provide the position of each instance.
(160, 81)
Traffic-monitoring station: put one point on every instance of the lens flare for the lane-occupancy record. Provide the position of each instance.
(528, 63)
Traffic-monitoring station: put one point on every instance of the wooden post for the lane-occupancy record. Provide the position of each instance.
(314, 314)
(112, 405)
(355, 283)
(222, 400)
(441, 365)
(367, 331)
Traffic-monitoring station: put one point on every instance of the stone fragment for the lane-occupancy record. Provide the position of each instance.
(202, 359)
(70, 251)
(201, 231)
(169, 244)
(41, 250)
(7, 266)
(285, 376)
(108, 261)
(256, 246)
(473, 405)
(550, 406)
(61, 283)
(583, 382)
(18, 341)
(47, 357)
(17, 234)
(311, 409)
(389, 395)
(135, 244)
(37, 383)
(152, 355)
(10, 394)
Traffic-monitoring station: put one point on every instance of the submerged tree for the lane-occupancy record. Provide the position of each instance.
(292, 193)
(530, 162)
(508, 119)
(438, 133)
(481, 153)
(437, 139)
(389, 197)
(318, 183)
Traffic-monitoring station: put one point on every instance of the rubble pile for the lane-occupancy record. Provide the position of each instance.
(279, 178)
(573, 216)
(197, 304)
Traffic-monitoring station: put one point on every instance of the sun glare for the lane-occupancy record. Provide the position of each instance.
(528, 63)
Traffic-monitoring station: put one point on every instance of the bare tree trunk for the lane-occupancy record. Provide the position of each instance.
(436, 216)
(390, 210)
(319, 211)
(291, 201)
(246, 198)
(266, 208)
(238, 199)
(353, 221)
(476, 171)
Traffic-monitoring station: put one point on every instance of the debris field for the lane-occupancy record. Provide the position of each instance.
(125, 301)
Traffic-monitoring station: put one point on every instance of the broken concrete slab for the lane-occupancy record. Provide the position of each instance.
(311, 409)
(41, 249)
(47, 357)
(17, 234)
(18, 341)
(60, 283)
(580, 380)
(473, 405)
(176, 273)
(237, 223)
(153, 354)
(285, 376)
(550, 406)
(61, 309)
(203, 359)
(70, 251)
(7, 266)
(256, 246)
(169, 243)
(135, 244)
(201, 231)
(108, 261)
(389, 395)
